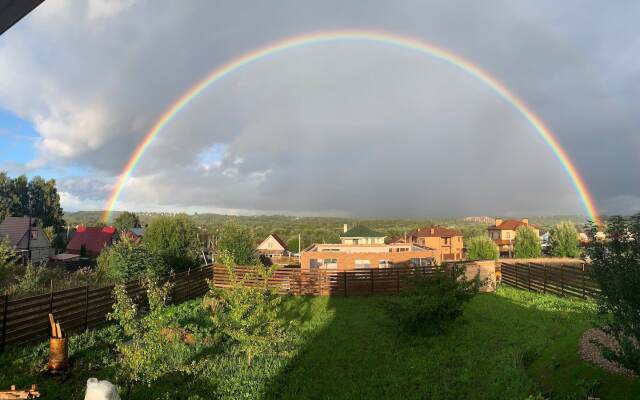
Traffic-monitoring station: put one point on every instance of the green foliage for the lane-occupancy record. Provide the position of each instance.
(33, 279)
(527, 243)
(616, 267)
(45, 200)
(433, 302)
(246, 316)
(237, 240)
(482, 248)
(564, 241)
(175, 239)
(145, 352)
(127, 259)
(8, 261)
(126, 221)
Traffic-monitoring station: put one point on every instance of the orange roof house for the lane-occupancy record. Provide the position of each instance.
(448, 243)
(503, 233)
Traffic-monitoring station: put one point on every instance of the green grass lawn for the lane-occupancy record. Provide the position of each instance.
(507, 345)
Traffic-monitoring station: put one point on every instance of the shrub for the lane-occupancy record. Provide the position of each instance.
(247, 317)
(564, 241)
(527, 243)
(8, 261)
(127, 259)
(126, 221)
(482, 248)
(616, 268)
(433, 301)
(239, 241)
(145, 352)
(175, 239)
(33, 279)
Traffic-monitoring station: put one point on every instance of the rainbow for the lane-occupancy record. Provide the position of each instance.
(352, 35)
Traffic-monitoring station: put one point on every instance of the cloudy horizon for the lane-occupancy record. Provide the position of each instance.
(342, 129)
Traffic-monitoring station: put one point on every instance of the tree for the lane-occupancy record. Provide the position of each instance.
(616, 267)
(45, 200)
(482, 248)
(127, 259)
(239, 241)
(527, 243)
(175, 239)
(8, 262)
(126, 221)
(564, 241)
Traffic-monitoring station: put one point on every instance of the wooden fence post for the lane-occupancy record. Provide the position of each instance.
(372, 288)
(562, 279)
(397, 280)
(544, 290)
(583, 283)
(189, 284)
(86, 307)
(344, 273)
(51, 296)
(529, 276)
(5, 307)
(515, 267)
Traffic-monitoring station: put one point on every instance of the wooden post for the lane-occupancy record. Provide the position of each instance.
(583, 283)
(515, 267)
(51, 296)
(397, 280)
(86, 307)
(544, 290)
(5, 307)
(562, 279)
(188, 284)
(372, 288)
(529, 275)
(344, 273)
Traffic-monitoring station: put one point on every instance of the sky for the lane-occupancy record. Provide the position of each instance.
(343, 129)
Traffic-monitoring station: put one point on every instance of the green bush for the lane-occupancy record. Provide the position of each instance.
(527, 243)
(247, 317)
(8, 262)
(127, 259)
(482, 248)
(432, 302)
(33, 279)
(176, 240)
(616, 268)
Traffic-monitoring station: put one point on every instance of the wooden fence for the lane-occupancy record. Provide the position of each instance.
(559, 279)
(363, 281)
(25, 320)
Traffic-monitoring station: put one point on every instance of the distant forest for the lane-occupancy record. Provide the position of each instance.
(323, 229)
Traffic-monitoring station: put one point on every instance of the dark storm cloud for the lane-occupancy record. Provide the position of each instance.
(348, 129)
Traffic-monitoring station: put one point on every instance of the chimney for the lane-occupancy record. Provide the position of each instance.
(498, 221)
(344, 228)
(525, 221)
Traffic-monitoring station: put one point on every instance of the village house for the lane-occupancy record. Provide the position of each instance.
(272, 246)
(446, 242)
(90, 241)
(361, 235)
(344, 257)
(503, 233)
(30, 241)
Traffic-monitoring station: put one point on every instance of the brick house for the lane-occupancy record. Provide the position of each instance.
(361, 235)
(448, 243)
(503, 233)
(344, 257)
(33, 244)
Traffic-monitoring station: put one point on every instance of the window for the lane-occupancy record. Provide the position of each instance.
(354, 241)
(446, 240)
(34, 234)
(385, 264)
(330, 263)
(315, 263)
(363, 264)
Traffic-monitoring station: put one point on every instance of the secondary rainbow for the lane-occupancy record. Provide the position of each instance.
(365, 36)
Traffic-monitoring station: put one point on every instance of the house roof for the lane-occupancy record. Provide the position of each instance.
(276, 238)
(93, 238)
(361, 231)
(511, 225)
(15, 228)
(435, 231)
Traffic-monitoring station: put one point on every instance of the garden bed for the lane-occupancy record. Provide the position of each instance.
(506, 346)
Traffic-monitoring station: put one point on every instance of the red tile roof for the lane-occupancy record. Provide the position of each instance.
(94, 239)
(435, 231)
(511, 225)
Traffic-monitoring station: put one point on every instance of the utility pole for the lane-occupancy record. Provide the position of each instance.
(299, 244)
(29, 231)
